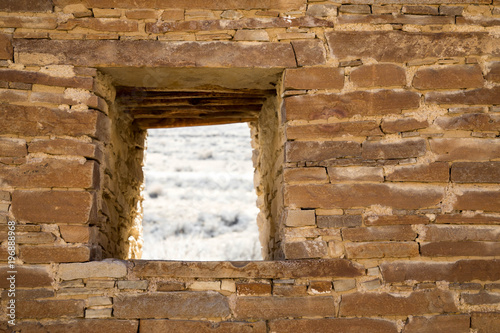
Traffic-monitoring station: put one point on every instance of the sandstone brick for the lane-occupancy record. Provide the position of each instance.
(253, 289)
(380, 75)
(337, 221)
(365, 103)
(252, 35)
(320, 287)
(458, 271)
(99, 301)
(481, 21)
(300, 218)
(433, 172)
(95, 269)
(470, 122)
(13, 96)
(282, 307)
(305, 249)
(26, 277)
(449, 77)
(100, 24)
(485, 322)
(75, 233)
(464, 248)
(6, 50)
(472, 149)
(393, 150)
(47, 254)
(52, 173)
(162, 325)
(444, 323)
(65, 147)
(475, 172)
(314, 78)
(478, 199)
(35, 238)
(358, 174)
(170, 286)
(320, 151)
(468, 97)
(53, 206)
(381, 250)
(45, 79)
(309, 52)
(136, 284)
(317, 268)
(436, 233)
(198, 4)
(207, 304)
(100, 284)
(140, 14)
(395, 19)
(80, 326)
(494, 72)
(12, 147)
(480, 298)
(362, 195)
(40, 309)
(173, 14)
(39, 121)
(420, 10)
(98, 313)
(30, 294)
(403, 125)
(28, 22)
(322, 10)
(289, 290)
(333, 130)
(462, 219)
(355, 9)
(384, 233)
(451, 10)
(384, 304)
(152, 53)
(305, 175)
(331, 325)
(399, 46)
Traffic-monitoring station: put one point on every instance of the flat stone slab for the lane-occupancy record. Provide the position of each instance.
(151, 53)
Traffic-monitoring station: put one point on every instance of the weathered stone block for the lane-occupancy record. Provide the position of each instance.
(381, 250)
(469, 149)
(163, 325)
(399, 46)
(197, 4)
(463, 219)
(26, 6)
(170, 286)
(6, 50)
(282, 307)
(98, 313)
(470, 122)
(309, 52)
(99, 24)
(289, 290)
(12, 147)
(344, 285)
(436, 233)
(449, 77)
(136, 284)
(485, 322)
(475, 172)
(296, 151)
(207, 304)
(94, 269)
(337, 221)
(80, 325)
(403, 125)
(48, 254)
(26, 277)
(468, 97)
(305, 175)
(53, 206)
(392, 150)
(363, 103)
(458, 249)
(251, 35)
(334, 130)
(494, 72)
(384, 304)
(314, 78)
(483, 297)
(355, 9)
(420, 10)
(41, 309)
(35, 238)
(23, 76)
(253, 289)
(433, 172)
(478, 199)
(75, 233)
(65, 147)
(28, 22)
(141, 14)
(444, 323)
(300, 218)
(330, 325)
(322, 10)
(362, 195)
(359, 174)
(380, 75)
(385, 233)
(305, 249)
(395, 19)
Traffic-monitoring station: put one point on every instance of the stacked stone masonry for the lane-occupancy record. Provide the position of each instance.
(377, 161)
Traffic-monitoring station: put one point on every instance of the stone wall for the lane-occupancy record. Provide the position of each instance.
(377, 163)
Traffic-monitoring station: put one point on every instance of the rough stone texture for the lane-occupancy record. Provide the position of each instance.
(403, 125)
(98, 269)
(50, 308)
(384, 304)
(253, 289)
(181, 305)
(282, 307)
(157, 54)
(436, 233)
(459, 271)
(494, 72)
(75, 233)
(381, 250)
(470, 122)
(475, 172)
(53, 206)
(337, 221)
(331, 325)
(26, 6)
(12, 147)
(444, 323)
(313, 107)
(159, 325)
(358, 174)
(327, 131)
(314, 78)
(198, 4)
(300, 218)
(433, 172)
(362, 195)
(47, 254)
(26, 277)
(468, 149)
(6, 50)
(305, 249)
(472, 199)
(380, 75)
(387, 233)
(320, 151)
(306, 175)
(309, 52)
(456, 249)
(449, 77)
(403, 149)
(45, 79)
(398, 46)
(462, 219)
(485, 322)
(481, 298)
(468, 97)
